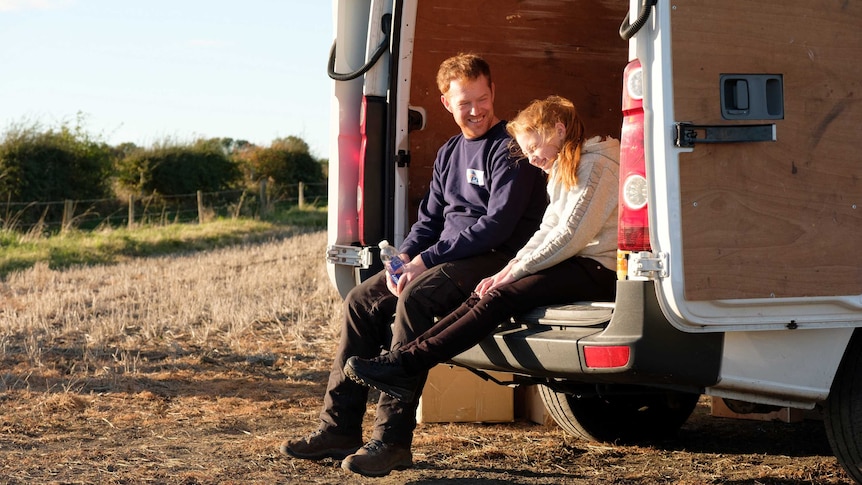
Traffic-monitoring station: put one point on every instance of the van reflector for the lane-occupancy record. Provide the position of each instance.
(603, 357)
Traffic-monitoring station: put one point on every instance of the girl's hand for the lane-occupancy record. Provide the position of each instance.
(503, 277)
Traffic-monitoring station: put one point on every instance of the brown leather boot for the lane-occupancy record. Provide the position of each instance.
(321, 444)
(377, 459)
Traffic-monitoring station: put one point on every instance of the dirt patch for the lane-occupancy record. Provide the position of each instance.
(204, 419)
(204, 392)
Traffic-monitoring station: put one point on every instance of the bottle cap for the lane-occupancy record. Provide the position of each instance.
(384, 243)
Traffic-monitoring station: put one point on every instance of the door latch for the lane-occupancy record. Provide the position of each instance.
(687, 134)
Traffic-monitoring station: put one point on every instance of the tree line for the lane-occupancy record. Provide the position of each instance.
(66, 162)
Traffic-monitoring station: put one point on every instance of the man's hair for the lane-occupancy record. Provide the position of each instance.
(462, 67)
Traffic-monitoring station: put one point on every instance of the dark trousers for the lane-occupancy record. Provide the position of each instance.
(368, 313)
(576, 279)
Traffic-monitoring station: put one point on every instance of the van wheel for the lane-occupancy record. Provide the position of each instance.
(620, 417)
(843, 410)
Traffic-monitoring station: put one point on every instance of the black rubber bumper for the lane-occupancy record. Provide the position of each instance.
(660, 355)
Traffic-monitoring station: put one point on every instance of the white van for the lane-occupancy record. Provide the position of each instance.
(741, 193)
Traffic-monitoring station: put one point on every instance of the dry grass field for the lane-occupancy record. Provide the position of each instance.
(192, 368)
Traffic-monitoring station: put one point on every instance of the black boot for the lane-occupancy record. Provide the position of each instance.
(385, 373)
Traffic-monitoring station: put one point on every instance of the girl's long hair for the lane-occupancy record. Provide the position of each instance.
(541, 117)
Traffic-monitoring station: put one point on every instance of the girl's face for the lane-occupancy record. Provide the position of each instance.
(539, 151)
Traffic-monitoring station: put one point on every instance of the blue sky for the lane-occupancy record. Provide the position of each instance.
(149, 70)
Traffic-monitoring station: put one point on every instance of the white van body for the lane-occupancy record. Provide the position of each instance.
(775, 285)
(749, 286)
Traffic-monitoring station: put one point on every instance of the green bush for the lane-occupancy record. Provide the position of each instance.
(171, 169)
(53, 165)
(286, 162)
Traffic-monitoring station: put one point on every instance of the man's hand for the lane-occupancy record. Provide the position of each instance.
(389, 284)
(411, 271)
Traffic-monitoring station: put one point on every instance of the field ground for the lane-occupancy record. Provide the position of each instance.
(193, 368)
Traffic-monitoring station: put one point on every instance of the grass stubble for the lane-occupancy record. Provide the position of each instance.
(191, 368)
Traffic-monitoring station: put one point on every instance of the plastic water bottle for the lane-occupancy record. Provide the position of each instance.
(390, 259)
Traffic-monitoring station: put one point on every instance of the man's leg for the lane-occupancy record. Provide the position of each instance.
(368, 310)
(399, 373)
(444, 289)
(435, 293)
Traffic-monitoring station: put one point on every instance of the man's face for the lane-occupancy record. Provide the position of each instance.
(471, 102)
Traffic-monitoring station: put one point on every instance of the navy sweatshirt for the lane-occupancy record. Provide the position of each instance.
(480, 199)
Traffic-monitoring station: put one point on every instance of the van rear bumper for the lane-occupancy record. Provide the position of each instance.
(659, 354)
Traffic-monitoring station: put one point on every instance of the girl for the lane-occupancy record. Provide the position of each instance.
(571, 257)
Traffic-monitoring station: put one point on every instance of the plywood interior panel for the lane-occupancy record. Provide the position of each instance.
(772, 219)
(535, 48)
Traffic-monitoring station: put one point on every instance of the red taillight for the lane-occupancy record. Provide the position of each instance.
(363, 142)
(371, 192)
(603, 357)
(633, 231)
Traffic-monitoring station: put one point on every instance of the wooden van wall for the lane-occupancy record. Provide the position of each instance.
(772, 219)
(535, 48)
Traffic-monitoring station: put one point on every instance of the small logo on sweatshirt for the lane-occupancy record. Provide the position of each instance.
(476, 177)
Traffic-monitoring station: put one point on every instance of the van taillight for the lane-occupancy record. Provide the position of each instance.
(633, 230)
(360, 189)
(372, 176)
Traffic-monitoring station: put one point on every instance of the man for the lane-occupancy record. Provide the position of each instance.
(482, 207)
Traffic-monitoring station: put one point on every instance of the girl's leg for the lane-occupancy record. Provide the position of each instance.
(574, 279)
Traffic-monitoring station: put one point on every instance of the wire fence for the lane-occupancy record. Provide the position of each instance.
(159, 209)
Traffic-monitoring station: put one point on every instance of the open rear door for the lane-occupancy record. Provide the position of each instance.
(754, 112)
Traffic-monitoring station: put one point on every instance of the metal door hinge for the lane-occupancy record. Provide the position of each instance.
(402, 159)
(349, 256)
(688, 134)
(649, 265)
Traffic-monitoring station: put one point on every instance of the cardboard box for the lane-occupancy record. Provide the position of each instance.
(532, 406)
(455, 395)
(787, 415)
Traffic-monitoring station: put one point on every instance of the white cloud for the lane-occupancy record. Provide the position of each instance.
(20, 5)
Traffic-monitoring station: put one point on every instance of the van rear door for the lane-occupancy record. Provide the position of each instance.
(360, 168)
(753, 112)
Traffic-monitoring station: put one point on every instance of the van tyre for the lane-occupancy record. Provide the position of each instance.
(843, 410)
(620, 418)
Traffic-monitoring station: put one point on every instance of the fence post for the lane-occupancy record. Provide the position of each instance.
(68, 207)
(131, 211)
(263, 202)
(301, 195)
(200, 207)
(238, 209)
